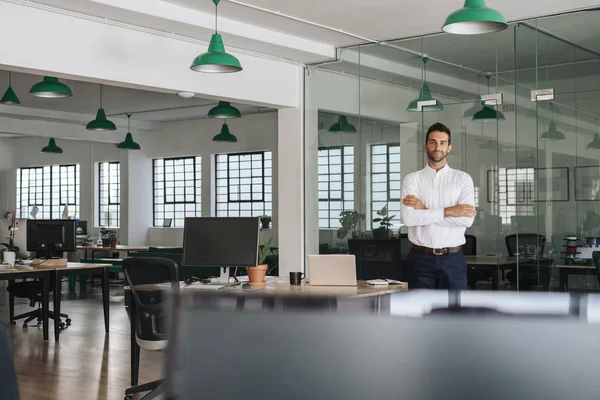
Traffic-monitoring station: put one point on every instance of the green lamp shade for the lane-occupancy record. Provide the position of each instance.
(425, 95)
(50, 88)
(487, 113)
(594, 144)
(225, 135)
(474, 19)
(101, 123)
(342, 126)
(552, 133)
(224, 110)
(10, 97)
(128, 143)
(52, 147)
(216, 60)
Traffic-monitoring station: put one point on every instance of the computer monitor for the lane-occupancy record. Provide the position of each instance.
(51, 237)
(223, 242)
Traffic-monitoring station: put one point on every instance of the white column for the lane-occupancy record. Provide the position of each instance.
(290, 184)
(136, 198)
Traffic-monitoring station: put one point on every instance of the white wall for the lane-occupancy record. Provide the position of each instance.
(6, 163)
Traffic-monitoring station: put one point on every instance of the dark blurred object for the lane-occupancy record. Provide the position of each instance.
(9, 389)
(596, 256)
(326, 355)
(592, 221)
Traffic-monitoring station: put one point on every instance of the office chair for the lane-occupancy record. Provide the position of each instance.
(32, 290)
(148, 309)
(596, 257)
(9, 390)
(528, 271)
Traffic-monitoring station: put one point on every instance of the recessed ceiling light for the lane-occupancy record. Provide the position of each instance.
(186, 95)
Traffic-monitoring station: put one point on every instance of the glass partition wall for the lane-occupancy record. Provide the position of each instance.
(532, 153)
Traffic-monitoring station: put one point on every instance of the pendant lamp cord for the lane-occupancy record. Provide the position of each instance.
(100, 96)
(9, 78)
(216, 13)
(128, 122)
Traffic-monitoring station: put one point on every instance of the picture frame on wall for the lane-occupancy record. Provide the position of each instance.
(587, 183)
(551, 184)
(167, 222)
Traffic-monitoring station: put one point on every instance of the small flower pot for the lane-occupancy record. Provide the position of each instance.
(257, 274)
(113, 243)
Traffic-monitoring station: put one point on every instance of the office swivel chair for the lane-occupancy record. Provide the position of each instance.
(148, 309)
(9, 389)
(528, 270)
(32, 290)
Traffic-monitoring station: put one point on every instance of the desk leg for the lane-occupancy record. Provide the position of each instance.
(45, 304)
(105, 298)
(57, 296)
(135, 349)
(494, 278)
(563, 280)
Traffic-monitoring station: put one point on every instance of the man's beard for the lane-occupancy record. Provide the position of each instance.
(436, 157)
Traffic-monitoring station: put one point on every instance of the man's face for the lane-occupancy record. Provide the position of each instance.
(437, 146)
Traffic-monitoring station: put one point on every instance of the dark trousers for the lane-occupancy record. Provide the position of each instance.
(428, 271)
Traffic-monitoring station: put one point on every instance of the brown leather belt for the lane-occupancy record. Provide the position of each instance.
(437, 252)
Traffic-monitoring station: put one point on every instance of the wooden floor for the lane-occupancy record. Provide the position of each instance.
(86, 363)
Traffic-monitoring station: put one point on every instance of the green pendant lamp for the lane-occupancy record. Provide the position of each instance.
(216, 59)
(425, 95)
(225, 135)
(488, 112)
(474, 19)
(101, 123)
(552, 133)
(50, 88)
(595, 144)
(224, 110)
(342, 126)
(10, 97)
(128, 143)
(52, 147)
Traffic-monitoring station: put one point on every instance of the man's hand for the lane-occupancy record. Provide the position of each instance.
(461, 210)
(414, 202)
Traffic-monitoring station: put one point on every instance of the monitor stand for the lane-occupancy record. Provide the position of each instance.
(224, 278)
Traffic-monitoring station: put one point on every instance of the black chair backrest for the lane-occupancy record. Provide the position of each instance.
(470, 247)
(150, 302)
(523, 241)
(405, 245)
(9, 389)
(596, 256)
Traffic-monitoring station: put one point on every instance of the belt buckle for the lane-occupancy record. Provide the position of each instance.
(435, 252)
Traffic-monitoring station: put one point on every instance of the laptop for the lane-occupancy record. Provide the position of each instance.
(332, 270)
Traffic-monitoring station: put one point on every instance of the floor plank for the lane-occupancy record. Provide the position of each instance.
(86, 363)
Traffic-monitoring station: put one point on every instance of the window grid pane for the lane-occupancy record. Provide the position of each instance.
(244, 184)
(516, 190)
(385, 182)
(177, 188)
(50, 188)
(336, 184)
(109, 193)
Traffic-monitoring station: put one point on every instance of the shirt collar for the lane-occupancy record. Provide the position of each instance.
(433, 172)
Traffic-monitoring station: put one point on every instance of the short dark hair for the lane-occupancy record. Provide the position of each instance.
(439, 127)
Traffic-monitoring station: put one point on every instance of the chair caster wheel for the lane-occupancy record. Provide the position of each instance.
(24, 326)
(62, 325)
(128, 397)
(13, 323)
(68, 321)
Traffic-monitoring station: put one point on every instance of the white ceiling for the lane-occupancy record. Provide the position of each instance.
(333, 22)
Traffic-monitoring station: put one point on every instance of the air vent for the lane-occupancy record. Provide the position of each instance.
(508, 108)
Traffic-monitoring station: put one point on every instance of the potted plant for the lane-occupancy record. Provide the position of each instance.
(385, 222)
(265, 221)
(10, 252)
(257, 274)
(109, 237)
(350, 221)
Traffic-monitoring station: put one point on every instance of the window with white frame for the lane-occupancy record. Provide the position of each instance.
(336, 184)
(244, 184)
(109, 193)
(49, 188)
(177, 184)
(385, 188)
(515, 192)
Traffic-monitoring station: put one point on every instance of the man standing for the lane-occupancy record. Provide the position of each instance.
(438, 204)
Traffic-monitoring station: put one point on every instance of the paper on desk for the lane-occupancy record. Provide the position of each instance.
(385, 282)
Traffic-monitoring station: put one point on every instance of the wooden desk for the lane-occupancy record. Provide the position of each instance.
(119, 248)
(284, 288)
(74, 268)
(44, 275)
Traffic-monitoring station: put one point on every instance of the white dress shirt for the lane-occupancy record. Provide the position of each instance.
(437, 190)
